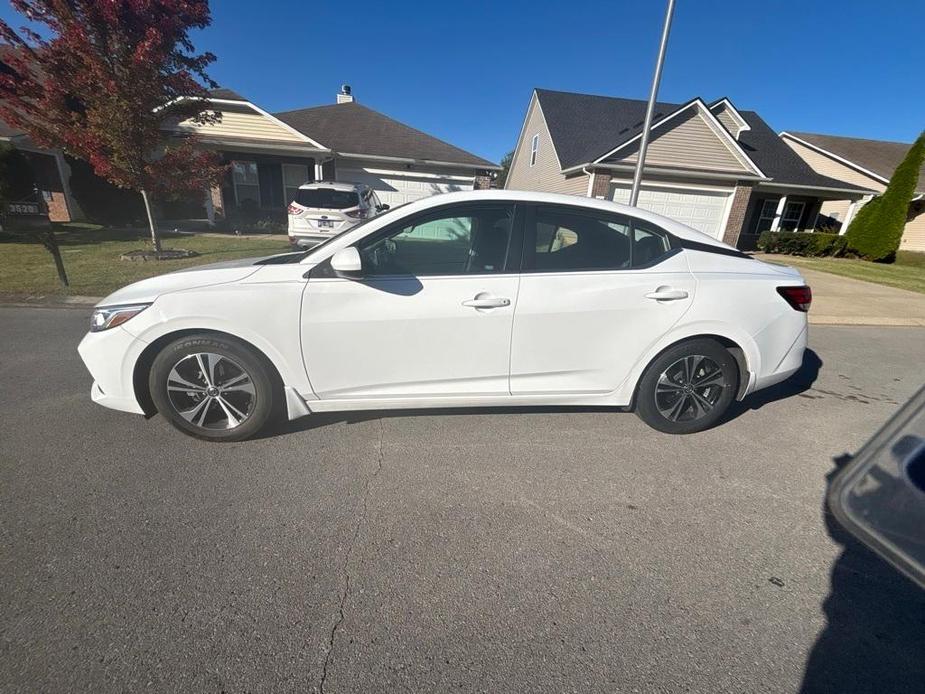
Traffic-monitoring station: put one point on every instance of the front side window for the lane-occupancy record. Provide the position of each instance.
(564, 240)
(534, 146)
(766, 215)
(471, 240)
(246, 181)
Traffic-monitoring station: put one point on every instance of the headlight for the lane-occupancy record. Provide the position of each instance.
(107, 317)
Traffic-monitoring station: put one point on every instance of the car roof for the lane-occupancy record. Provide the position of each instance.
(333, 185)
(670, 225)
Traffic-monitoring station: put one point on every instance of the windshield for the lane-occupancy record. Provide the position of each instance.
(327, 198)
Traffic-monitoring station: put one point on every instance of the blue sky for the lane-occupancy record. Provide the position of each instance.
(464, 71)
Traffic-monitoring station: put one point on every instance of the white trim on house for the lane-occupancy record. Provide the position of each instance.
(678, 173)
(770, 183)
(718, 128)
(832, 155)
(743, 124)
(591, 176)
(418, 174)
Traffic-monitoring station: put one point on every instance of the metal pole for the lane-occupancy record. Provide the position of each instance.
(644, 144)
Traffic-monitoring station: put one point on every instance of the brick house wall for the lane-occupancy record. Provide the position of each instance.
(737, 213)
(600, 185)
(482, 181)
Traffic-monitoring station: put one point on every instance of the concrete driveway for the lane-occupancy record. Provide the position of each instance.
(546, 550)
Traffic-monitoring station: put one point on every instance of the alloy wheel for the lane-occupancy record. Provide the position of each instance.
(689, 389)
(211, 391)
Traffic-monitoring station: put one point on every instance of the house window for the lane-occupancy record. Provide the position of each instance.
(294, 175)
(766, 215)
(534, 145)
(790, 219)
(246, 182)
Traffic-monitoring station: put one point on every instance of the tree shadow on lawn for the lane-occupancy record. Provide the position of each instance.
(80, 237)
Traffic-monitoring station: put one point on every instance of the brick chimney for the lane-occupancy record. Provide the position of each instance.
(345, 96)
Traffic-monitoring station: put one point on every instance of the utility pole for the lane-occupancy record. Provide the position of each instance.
(650, 108)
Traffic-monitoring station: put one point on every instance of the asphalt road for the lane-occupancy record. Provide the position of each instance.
(551, 550)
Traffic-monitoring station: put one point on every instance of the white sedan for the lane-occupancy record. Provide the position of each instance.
(474, 299)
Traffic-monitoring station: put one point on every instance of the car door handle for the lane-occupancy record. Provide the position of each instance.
(666, 294)
(482, 301)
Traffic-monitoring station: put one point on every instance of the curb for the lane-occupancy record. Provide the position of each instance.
(41, 301)
(878, 321)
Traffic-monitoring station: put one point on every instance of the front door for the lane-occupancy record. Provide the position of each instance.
(431, 316)
(597, 291)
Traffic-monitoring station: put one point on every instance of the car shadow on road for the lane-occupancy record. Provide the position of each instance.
(874, 638)
(798, 383)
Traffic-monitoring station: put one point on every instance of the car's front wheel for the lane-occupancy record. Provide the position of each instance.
(212, 387)
(688, 387)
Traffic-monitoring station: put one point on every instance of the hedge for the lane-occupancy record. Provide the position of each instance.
(814, 245)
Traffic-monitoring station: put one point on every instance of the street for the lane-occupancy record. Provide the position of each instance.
(529, 550)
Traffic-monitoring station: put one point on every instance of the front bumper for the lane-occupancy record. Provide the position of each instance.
(110, 357)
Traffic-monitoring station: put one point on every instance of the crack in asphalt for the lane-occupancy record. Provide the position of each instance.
(344, 568)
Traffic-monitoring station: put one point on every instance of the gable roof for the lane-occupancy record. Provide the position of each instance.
(226, 94)
(584, 127)
(351, 128)
(878, 157)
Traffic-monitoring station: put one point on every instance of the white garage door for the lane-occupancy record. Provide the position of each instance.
(396, 188)
(699, 209)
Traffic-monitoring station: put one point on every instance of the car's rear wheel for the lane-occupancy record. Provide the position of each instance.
(688, 387)
(212, 387)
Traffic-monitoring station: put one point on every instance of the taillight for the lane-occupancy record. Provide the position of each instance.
(354, 214)
(293, 208)
(799, 298)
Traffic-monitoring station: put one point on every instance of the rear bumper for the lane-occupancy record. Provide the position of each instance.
(110, 357)
(788, 365)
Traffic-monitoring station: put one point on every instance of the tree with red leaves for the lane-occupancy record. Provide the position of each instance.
(103, 84)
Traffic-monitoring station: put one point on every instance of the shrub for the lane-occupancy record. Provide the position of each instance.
(877, 229)
(813, 245)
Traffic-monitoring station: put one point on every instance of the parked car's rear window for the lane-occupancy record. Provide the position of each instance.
(327, 198)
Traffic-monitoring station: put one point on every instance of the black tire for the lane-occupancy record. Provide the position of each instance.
(683, 404)
(233, 414)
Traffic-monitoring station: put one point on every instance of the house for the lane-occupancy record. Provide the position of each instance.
(709, 165)
(272, 154)
(51, 171)
(866, 163)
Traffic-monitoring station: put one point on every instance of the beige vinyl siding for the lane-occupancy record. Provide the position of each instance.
(827, 166)
(914, 235)
(837, 208)
(724, 115)
(250, 126)
(545, 175)
(689, 144)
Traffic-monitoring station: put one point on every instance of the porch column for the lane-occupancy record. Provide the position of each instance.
(319, 170)
(778, 213)
(210, 208)
(852, 210)
(600, 185)
(735, 222)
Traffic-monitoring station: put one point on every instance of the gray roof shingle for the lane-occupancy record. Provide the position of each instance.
(878, 156)
(356, 129)
(584, 127)
(228, 94)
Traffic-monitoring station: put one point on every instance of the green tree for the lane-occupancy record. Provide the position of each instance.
(505, 169)
(877, 229)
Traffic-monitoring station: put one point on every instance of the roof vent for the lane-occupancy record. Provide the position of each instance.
(346, 94)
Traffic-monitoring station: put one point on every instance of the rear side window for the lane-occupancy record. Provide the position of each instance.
(327, 198)
(562, 239)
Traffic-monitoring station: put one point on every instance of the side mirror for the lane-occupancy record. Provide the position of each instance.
(346, 263)
(383, 208)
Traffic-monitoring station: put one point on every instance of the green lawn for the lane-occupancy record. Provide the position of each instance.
(91, 257)
(900, 274)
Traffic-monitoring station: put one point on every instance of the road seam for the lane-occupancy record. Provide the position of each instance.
(345, 568)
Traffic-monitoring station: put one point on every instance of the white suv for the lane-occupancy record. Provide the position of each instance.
(326, 209)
